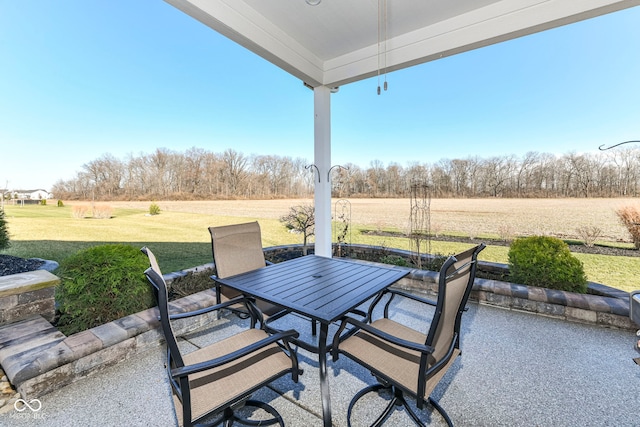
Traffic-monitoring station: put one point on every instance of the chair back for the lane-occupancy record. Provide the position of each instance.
(154, 275)
(236, 248)
(454, 286)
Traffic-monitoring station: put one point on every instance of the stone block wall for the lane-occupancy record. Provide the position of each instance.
(603, 306)
(25, 294)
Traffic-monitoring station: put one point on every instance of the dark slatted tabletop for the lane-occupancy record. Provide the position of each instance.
(322, 288)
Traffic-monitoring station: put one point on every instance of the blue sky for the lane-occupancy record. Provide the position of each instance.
(82, 78)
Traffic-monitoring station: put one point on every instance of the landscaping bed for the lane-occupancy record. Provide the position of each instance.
(13, 265)
(597, 249)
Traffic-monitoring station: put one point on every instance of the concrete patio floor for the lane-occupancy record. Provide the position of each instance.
(517, 369)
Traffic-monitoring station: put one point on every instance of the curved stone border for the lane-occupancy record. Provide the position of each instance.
(38, 359)
(48, 264)
(604, 306)
(584, 308)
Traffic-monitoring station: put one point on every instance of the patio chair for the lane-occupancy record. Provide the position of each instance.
(236, 249)
(211, 383)
(406, 361)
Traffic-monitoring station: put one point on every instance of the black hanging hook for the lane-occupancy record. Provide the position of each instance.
(620, 143)
(332, 167)
(316, 168)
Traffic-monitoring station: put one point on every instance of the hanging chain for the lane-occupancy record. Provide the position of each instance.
(382, 41)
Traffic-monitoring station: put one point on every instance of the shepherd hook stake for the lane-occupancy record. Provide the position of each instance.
(608, 148)
(317, 170)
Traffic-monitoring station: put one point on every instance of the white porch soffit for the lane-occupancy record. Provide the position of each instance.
(336, 42)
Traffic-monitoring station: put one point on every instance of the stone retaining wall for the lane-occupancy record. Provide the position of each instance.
(37, 358)
(25, 294)
(603, 306)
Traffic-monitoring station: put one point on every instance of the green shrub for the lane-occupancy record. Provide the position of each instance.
(394, 260)
(435, 263)
(546, 262)
(60, 204)
(4, 233)
(43, 202)
(101, 284)
(154, 209)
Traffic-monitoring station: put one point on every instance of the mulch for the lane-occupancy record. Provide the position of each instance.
(13, 265)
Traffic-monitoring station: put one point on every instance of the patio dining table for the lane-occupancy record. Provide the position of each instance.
(322, 289)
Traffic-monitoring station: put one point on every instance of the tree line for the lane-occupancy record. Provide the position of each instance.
(201, 174)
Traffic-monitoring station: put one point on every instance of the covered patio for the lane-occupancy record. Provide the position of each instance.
(517, 369)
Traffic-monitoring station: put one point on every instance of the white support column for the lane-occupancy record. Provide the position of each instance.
(322, 160)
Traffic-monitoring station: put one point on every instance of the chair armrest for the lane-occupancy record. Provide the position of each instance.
(411, 296)
(422, 348)
(222, 360)
(417, 298)
(225, 304)
(394, 292)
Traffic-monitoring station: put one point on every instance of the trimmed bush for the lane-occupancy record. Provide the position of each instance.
(60, 204)
(546, 262)
(154, 209)
(101, 284)
(4, 233)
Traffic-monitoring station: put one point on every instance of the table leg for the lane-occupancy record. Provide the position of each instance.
(324, 381)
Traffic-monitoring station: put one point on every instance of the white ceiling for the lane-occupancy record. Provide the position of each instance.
(339, 41)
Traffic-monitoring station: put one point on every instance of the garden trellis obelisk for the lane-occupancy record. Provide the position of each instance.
(420, 221)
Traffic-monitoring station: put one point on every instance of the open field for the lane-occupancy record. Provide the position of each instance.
(180, 238)
(467, 217)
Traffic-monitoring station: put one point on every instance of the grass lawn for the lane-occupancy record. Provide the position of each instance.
(181, 239)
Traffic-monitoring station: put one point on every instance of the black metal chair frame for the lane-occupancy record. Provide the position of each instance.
(178, 373)
(426, 349)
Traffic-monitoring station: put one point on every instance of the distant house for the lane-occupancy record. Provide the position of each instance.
(38, 194)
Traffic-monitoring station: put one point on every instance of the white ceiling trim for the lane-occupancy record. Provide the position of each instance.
(493, 23)
(243, 25)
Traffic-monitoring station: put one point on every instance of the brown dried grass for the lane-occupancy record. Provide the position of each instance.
(466, 217)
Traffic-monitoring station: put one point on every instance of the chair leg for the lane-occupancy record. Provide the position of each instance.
(440, 409)
(387, 410)
(397, 400)
(358, 396)
(231, 417)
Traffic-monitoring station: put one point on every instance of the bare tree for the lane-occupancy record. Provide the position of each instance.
(496, 173)
(192, 174)
(197, 173)
(234, 172)
(460, 177)
(106, 174)
(524, 170)
(581, 172)
(301, 219)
